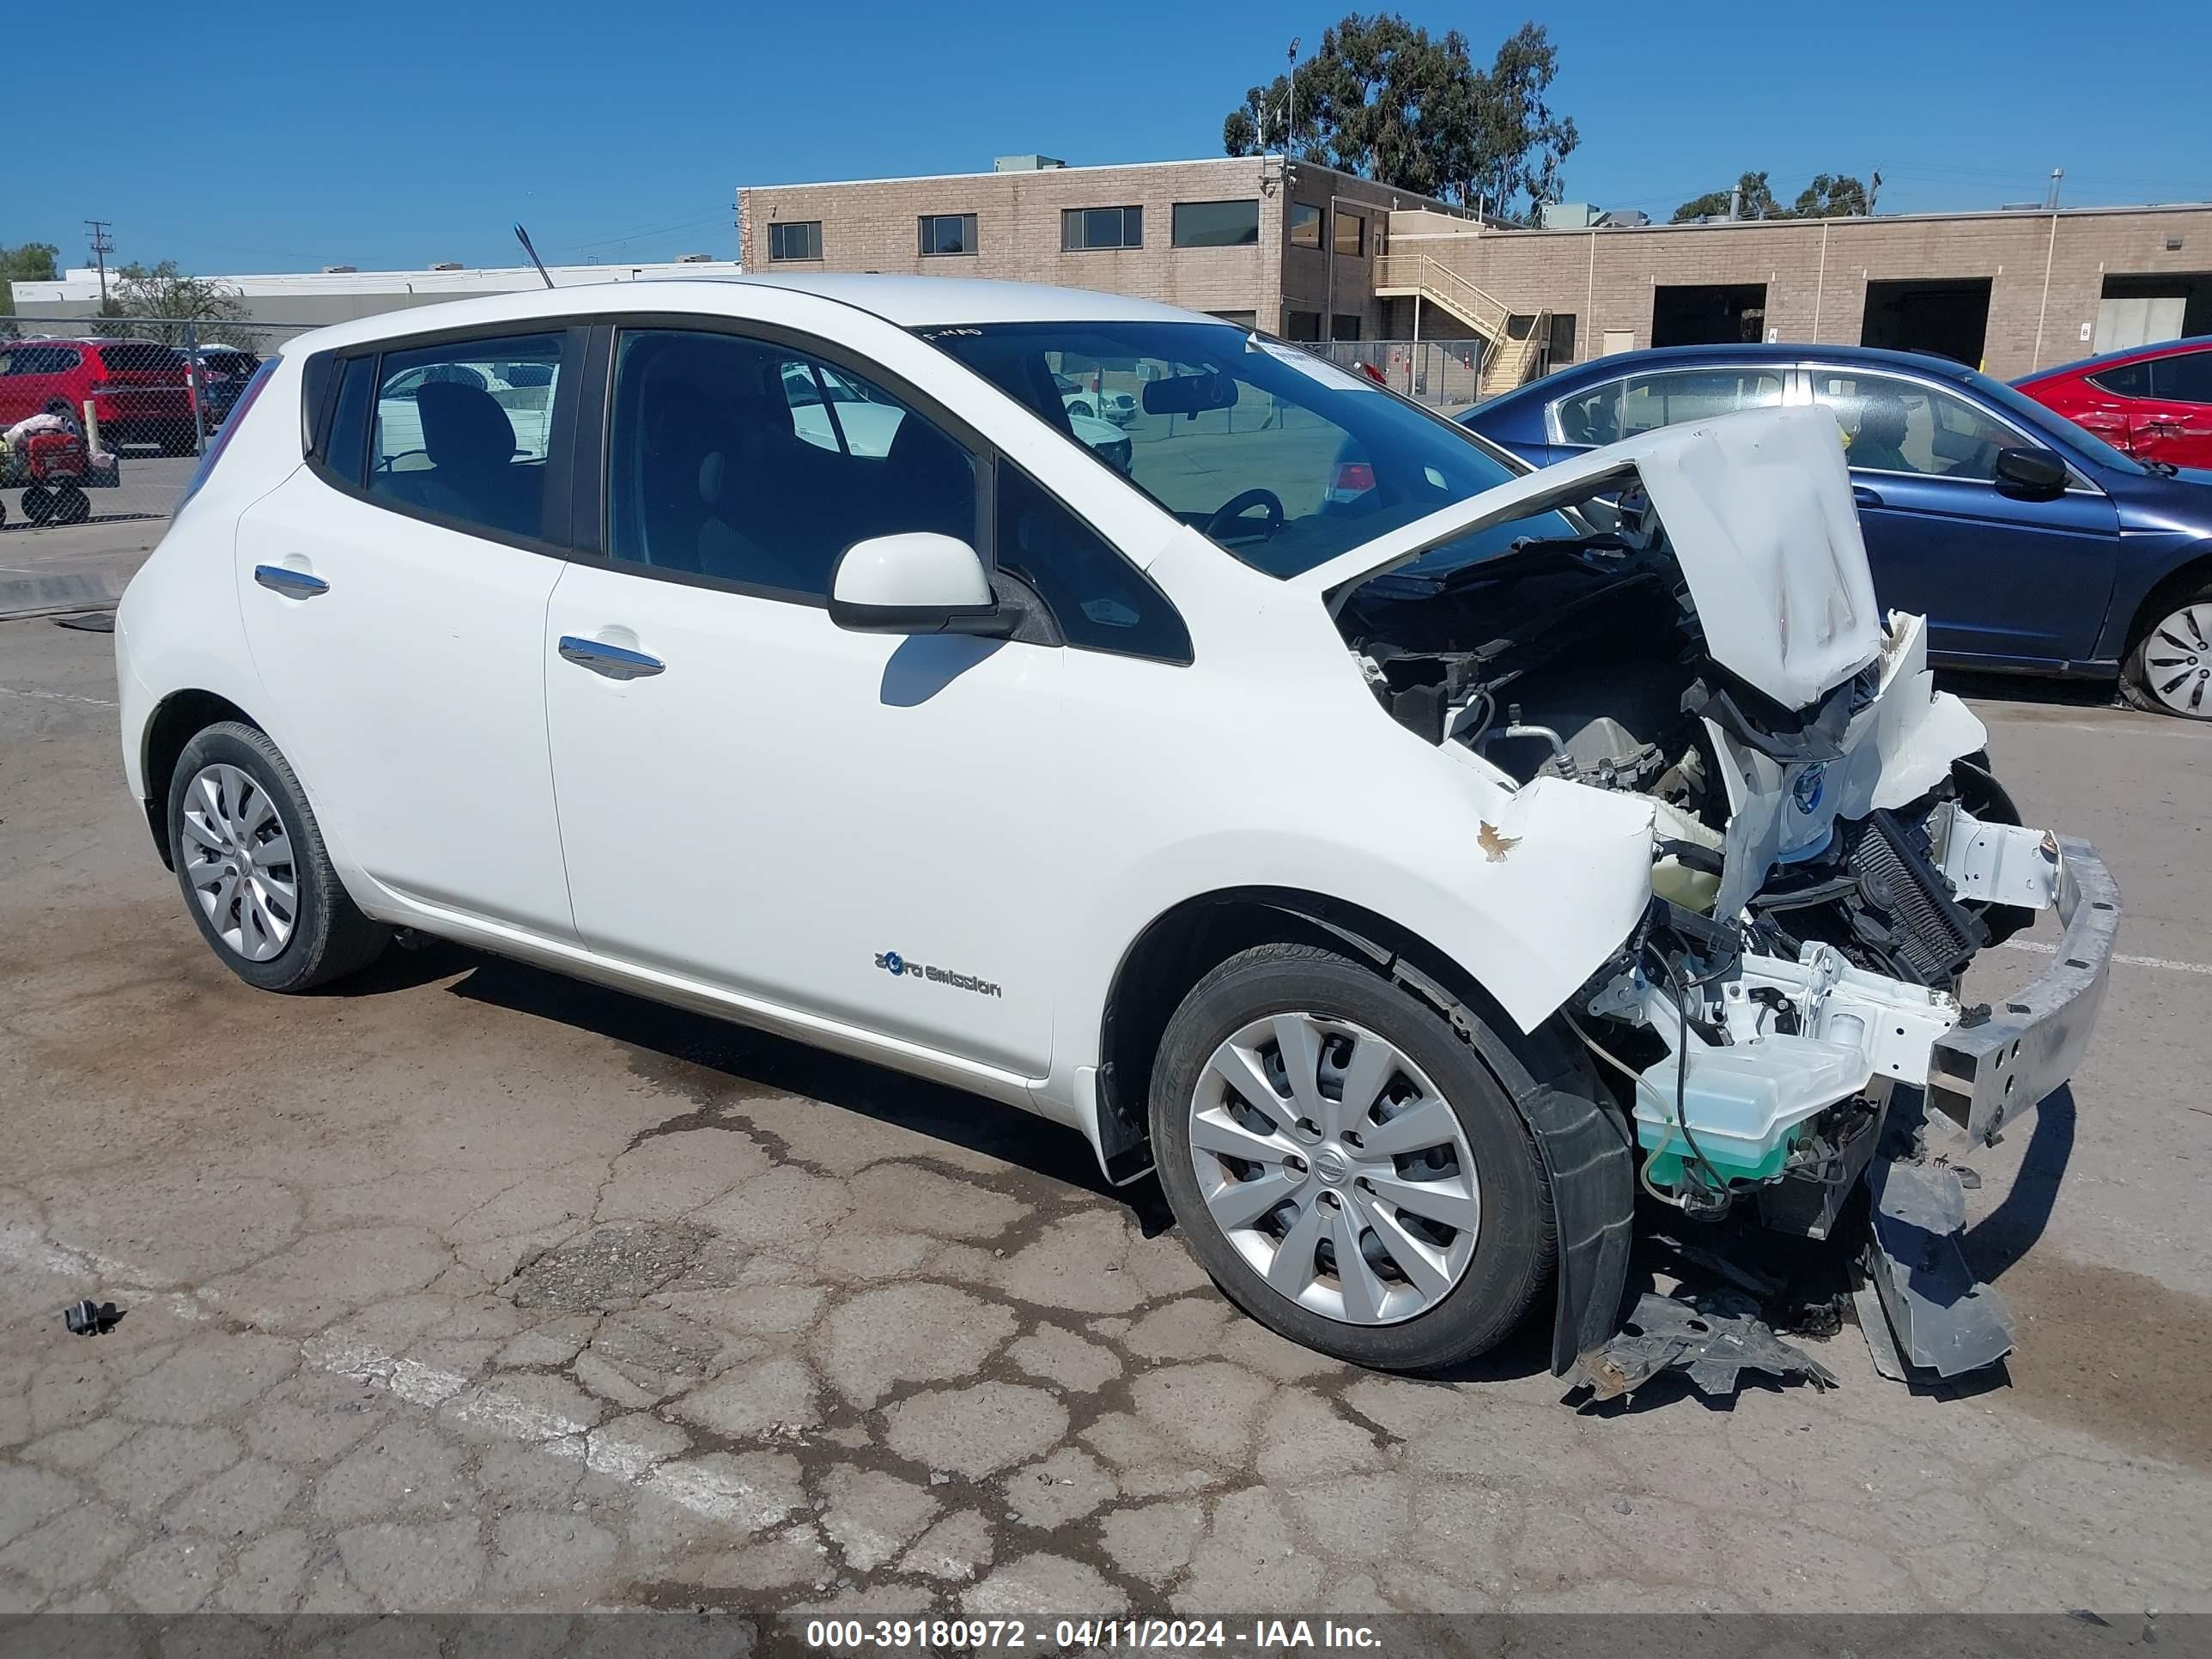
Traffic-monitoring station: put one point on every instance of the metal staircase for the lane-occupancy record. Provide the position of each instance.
(1517, 341)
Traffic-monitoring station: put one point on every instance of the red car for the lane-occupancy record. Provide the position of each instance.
(139, 389)
(2155, 401)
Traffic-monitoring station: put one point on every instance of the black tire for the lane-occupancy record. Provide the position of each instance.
(71, 505)
(330, 937)
(38, 504)
(1515, 1244)
(2135, 672)
(178, 440)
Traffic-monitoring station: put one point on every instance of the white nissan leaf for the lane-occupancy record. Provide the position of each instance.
(1411, 874)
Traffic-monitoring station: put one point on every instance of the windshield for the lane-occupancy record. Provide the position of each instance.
(1282, 458)
(2050, 424)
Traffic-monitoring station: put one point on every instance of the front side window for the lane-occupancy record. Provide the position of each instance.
(2183, 378)
(756, 465)
(1650, 401)
(800, 238)
(1100, 601)
(948, 233)
(1216, 224)
(1085, 228)
(461, 431)
(1250, 441)
(1305, 225)
(1901, 426)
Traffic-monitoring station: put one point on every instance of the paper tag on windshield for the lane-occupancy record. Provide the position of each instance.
(1311, 367)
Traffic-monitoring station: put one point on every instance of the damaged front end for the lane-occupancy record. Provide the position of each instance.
(1690, 622)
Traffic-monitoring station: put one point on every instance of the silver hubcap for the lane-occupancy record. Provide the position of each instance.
(238, 860)
(1336, 1168)
(2177, 660)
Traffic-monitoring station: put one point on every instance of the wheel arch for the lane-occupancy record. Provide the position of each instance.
(176, 720)
(1584, 1143)
(2194, 571)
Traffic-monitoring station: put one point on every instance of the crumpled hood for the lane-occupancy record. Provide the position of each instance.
(1758, 507)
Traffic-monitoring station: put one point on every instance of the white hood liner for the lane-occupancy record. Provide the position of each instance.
(1757, 509)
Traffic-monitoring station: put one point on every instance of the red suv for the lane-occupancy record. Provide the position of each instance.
(2155, 401)
(140, 390)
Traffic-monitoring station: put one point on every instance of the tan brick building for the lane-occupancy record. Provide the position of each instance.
(2012, 290)
(1276, 244)
(1284, 245)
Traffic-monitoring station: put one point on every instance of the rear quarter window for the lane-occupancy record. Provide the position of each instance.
(141, 357)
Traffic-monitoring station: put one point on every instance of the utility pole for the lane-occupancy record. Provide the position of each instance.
(1290, 124)
(103, 245)
(1874, 189)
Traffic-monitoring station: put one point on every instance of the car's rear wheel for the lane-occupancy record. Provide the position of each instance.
(2170, 670)
(178, 439)
(1344, 1164)
(255, 873)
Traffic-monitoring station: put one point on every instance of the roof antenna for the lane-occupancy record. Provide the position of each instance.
(523, 237)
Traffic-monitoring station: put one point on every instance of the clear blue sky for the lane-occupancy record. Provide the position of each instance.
(393, 133)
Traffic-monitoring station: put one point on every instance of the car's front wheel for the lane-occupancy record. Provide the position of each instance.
(255, 873)
(2170, 670)
(1344, 1164)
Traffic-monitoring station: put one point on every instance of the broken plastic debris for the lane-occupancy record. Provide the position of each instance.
(90, 1318)
(1712, 1347)
(1494, 845)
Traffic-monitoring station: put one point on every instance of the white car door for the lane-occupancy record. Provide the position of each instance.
(394, 595)
(858, 828)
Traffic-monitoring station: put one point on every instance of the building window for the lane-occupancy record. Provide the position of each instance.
(801, 239)
(1562, 350)
(1346, 326)
(1303, 327)
(1216, 224)
(948, 233)
(1082, 228)
(1351, 233)
(1305, 225)
(1241, 318)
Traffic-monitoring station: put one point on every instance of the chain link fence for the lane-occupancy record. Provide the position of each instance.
(103, 419)
(1445, 372)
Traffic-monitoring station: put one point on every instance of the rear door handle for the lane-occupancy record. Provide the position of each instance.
(615, 662)
(1864, 496)
(292, 584)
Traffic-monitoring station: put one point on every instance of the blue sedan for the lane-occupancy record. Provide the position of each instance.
(2031, 545)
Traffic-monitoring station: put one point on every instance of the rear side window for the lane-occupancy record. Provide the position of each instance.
(2128, 380)
(343, 448)
(1100, 601)
(41, 359)
(461, 432)
(142, 357)
(1591, 416)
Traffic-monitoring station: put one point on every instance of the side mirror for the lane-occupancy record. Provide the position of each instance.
(916, 582)
(2035, 473)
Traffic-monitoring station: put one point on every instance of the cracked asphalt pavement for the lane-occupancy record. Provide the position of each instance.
(468, 1286)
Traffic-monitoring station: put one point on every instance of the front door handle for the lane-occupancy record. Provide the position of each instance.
(616, 662)
(1864, 496)
(292, 584)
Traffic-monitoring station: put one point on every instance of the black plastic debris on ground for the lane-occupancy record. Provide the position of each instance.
(90, 1318)
(94, 622)
(1711, 1339)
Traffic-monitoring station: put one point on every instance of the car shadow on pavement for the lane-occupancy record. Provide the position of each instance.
(1997, 1242)
(676, 1046)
